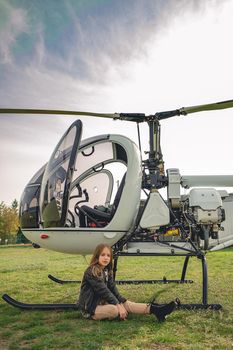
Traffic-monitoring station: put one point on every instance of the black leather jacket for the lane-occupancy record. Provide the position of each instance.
(98, 289)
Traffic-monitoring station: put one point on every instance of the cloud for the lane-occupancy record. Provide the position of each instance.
(83, 44)
(86, 44)
(124, 56)
(13, 23)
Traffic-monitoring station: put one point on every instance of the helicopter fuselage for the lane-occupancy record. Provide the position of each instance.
(95, 191)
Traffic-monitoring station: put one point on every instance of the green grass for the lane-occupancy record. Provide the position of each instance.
(23, 275)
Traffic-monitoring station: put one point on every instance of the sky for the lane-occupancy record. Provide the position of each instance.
(111, 56)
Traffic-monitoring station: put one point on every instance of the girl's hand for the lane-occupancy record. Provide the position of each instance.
(122, 312)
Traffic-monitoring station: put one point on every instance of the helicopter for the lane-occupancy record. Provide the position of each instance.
(100, 190)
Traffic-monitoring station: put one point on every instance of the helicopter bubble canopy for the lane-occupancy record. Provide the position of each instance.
(90, 192)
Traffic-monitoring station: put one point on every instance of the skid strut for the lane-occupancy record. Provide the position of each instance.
(204, 305)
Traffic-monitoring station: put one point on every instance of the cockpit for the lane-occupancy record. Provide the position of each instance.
(93, 184)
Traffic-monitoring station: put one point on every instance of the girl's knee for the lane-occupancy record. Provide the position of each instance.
(128, 305)
(113, 310)
(105, 312)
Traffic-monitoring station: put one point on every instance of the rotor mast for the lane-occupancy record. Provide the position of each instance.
(156, 178)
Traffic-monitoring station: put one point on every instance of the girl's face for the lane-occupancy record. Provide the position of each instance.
(105, 257)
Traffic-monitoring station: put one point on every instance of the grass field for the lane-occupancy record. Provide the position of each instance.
(23, 275)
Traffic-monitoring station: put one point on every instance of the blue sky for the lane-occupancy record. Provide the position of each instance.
(114, 56)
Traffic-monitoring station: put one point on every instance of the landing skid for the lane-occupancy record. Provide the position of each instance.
(121, 282)
(57, 280)
(25, 306)
(200, 306)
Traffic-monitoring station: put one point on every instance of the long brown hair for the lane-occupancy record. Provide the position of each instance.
(96, 268)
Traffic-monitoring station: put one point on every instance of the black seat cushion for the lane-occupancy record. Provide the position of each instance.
(101, 218)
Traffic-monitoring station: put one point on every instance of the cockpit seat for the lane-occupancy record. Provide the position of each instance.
(95, 217)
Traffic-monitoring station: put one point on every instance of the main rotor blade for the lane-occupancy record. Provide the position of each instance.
(208, 107)
(132, 117)
(57, 112)
(194, 109)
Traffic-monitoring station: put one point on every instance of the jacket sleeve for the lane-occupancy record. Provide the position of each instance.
(100, 288)
(114, 290)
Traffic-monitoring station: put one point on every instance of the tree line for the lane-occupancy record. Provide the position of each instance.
(9, 223)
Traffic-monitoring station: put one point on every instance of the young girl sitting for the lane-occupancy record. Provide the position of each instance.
(100, 299)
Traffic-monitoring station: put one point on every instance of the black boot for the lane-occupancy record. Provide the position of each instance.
(155, 303)
(161, 311)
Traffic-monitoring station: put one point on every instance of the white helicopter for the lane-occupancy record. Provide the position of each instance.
(90, 192)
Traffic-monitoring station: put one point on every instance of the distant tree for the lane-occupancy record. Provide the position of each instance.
(9, 221)
(2, 206)
(15, 205)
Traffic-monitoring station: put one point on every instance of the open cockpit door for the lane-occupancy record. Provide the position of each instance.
(55, 188)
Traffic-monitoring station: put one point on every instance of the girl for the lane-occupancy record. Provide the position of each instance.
(100, 299)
